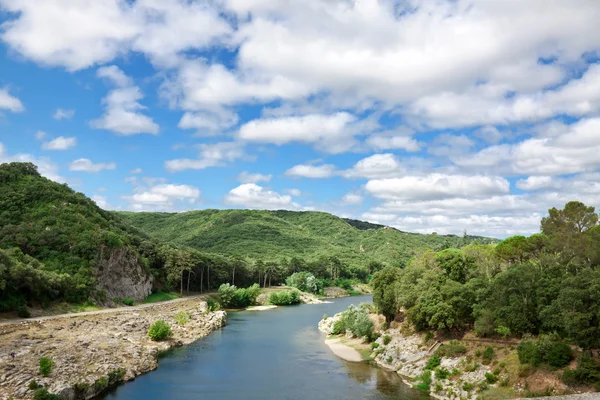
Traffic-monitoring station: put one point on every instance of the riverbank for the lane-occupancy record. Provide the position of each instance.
(93, 350)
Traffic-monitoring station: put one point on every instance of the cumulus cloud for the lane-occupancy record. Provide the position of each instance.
(10, 102)
(386, 142)
(86, 165)
(101, 201)
(63, 114)
(46, 167)
(294, 192)
(211, 155)
(246, 177)
(122, 109)
(535, 183)
(375, 166)
(136, 171)
(251, 195)
(60, 143)
(39, 135)
(351, 199)
(209, 122)
(311, 171)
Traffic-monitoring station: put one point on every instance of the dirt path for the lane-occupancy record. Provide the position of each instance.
(99, 312)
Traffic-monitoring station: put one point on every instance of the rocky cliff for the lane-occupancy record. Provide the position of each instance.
(120, 274)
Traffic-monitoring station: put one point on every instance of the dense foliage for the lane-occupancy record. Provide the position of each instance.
(546, 283)
(356, 321)
(232, 297)
(285, 298)
(273, 235)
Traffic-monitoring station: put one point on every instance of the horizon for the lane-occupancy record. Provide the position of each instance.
(424, 116)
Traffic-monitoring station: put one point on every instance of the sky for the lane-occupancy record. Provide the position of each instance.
(426, 115)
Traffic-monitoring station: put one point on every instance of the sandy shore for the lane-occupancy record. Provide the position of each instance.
(343, 351)
(260, 308)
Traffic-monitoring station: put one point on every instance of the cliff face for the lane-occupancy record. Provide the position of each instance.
(120, 274)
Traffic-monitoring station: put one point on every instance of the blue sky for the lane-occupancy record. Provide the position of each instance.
(426, 115)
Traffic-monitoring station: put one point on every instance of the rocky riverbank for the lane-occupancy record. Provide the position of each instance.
(94, 351)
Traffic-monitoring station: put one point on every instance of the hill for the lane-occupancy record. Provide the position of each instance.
(57, 243)
(273, 235)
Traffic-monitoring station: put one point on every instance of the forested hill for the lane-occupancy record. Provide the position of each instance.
(273, 235)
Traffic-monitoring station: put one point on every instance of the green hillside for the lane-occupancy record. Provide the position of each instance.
(273, 235)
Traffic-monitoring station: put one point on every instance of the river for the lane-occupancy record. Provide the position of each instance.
(275, 354)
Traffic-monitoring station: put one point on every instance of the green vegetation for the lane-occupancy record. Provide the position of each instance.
(312, 236)
(547, 283)
(547, 349)
(232, 297)
(182, 317)
(101, 383)
(285, 298)
(356, 321)
(451, 350)
(160, 330)
(128, 301)
(45, 366)
(116, 376)
(43, 394)
(160, 296)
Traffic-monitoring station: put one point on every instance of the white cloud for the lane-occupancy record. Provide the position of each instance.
(45, 166)
(311, 171)
(86, 165)
(351, 199)
(136, 171)
(375, 166)
(211, 155)
(437, 186)
(246, 177)
(450, 145)
(39, 135)
(63, 114)
(101, 201)
(251, 195)
(329, 132)
(294, 192)
(211, 122)
(155, 194)
(122, 109)
(535, 183)
(386, 142)
(9, 102)
(60, 143)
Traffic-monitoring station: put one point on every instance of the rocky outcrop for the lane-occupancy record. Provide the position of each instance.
(120, 274)
(94, 351)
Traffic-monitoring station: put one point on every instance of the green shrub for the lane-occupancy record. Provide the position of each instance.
(451, 350)
(425, 379)
(80, 389)
(325, 317)
(304, 281)
(529, 353)
(483, 386)
(160, 330)
(491, 378)
(212, 304)
(433, 362)
(477, 353)
(45, 366)
(374, 346)
(467, 387)
(33, 385)
(559, 355)
(285, 298)
(442, 373)
(115, 376)
(101, 383)
(386, 340)
(488, 355)
(429, 336)
(129, 301)
(597, 386)
(227, 293)
(182, 317)
(338, 327)
(43, 394)
(390, 359)
(23, 311)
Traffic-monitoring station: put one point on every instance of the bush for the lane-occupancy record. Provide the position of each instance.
(529, 353)
(23, 311)
(488, 355)
(442, 373)
(559, 355)
(285, 298)
(386, 340)
(227, 292)
(129, 301)
(212, 304)
(182, 317)
(43, 394)
(33, 385)
(467, 387)
(45, 366)
(159, 330)
(451, 350)
(491, 378)
(433, 362)
(374, 346)
(304, 281)
(115, 376)
(338, 327)
(101, 383)
(428, 336)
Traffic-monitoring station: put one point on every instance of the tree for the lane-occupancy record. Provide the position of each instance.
(384, 291)
(455, 263)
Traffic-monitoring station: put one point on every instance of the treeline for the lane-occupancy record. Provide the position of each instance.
(52, 240)
(546, 283)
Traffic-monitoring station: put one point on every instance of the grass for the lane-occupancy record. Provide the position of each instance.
(160, 296)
